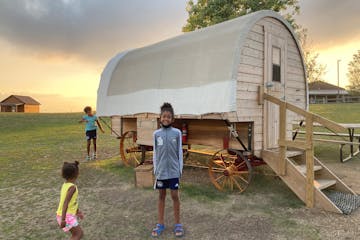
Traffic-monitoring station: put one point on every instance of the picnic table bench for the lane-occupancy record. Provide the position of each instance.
(351, 137)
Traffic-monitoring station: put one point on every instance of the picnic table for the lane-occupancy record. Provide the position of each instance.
(350, 140)
(351, 129)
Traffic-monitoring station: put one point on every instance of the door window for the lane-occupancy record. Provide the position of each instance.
(276, 64)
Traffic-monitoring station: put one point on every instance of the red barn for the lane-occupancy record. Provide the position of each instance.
(16, 103)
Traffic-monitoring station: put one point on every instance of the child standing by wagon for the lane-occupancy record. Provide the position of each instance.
(68, 211)
(168, 164)
(90, 130)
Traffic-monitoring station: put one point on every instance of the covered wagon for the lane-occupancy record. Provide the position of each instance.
(236, 86)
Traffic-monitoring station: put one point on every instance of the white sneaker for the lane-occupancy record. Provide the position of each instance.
(87, 158)
(94, 156)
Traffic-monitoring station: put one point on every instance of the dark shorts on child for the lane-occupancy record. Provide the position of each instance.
(172, 183)
(90, 134)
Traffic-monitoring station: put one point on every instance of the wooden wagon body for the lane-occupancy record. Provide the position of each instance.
(242, 78)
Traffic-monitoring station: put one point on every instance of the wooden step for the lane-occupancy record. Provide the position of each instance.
(290, 154)
(302, 168)
(324, 183)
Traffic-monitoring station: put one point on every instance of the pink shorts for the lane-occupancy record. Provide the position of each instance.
(71, 221)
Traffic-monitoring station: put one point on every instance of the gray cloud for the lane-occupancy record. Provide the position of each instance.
(97, 29)
(92, 29)
(331, 22)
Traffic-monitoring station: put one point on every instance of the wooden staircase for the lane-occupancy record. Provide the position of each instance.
(294, 161)
(295, 178)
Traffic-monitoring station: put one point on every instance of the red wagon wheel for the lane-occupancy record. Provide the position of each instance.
(230, 171)
(130, 152)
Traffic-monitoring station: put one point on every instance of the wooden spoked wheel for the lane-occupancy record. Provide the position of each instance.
(230, 171)
(129, 151)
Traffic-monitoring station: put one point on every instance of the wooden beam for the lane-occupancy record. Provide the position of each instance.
(282, 136)
(298, 110)
(294, 144)
(260, 95)
(272, 99)
(203, 152)
(333, 126)
(330, 134)
(333, 141)
(309, 156)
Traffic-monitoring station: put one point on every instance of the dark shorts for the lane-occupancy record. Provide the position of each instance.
(172, 183)
(90, 134)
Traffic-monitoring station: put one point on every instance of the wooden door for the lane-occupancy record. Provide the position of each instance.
(274, 84)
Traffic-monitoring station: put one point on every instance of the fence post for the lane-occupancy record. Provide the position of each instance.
(309, 154)
(282, 138)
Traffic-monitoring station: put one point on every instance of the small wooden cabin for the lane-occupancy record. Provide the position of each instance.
(17, 103)
(211, 73)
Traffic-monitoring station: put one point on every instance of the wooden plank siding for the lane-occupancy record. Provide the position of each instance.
(251, 75)
(116, 126)
(31, 108)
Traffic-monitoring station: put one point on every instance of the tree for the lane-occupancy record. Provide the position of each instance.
(209, 12)
(354, 73)
(315, 71)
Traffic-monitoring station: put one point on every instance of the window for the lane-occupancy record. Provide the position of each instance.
(276, 64)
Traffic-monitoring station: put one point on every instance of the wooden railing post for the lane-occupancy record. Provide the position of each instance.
(309, 155)
(282, 138)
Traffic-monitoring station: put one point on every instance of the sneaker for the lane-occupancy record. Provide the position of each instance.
(87, 158)
(94, 156)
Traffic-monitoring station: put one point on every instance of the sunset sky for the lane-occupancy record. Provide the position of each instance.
(55, 50)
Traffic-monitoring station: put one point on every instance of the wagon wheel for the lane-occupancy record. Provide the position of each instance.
(129, 151)
(230, 171)
(186, 152)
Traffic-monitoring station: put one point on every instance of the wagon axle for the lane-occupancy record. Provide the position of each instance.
(133, 150)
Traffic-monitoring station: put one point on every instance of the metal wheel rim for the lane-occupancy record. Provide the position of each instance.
(128, 142)
(224, 173)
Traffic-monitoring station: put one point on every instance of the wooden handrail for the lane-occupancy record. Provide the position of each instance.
(306, 145)
(332, 126)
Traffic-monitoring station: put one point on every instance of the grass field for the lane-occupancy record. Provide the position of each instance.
(33, 147)
(341, 113)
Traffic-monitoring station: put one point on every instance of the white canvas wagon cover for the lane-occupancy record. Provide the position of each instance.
(196, 72)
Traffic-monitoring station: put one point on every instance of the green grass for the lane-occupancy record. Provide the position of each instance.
(114, 165)
(203, 193)
(341, 113)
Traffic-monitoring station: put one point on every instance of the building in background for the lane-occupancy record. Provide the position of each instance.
(16, 103)
(323, 92)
